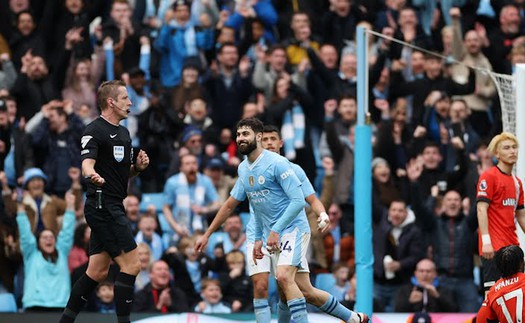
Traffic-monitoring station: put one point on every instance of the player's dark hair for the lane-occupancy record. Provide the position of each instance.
(253, 123)
(509, 260)
(271, 128)
(108, 89)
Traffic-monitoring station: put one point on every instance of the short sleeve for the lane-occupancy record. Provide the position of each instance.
(89, 146)
(485, 188)
(238, 191)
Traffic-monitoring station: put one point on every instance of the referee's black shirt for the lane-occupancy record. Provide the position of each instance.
(110, 146)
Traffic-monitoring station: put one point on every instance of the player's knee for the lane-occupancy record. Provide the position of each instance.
(284, 279)
(260, 288)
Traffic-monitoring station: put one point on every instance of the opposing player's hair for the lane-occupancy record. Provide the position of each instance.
(253, 123)
(493, 145)
(108, 89)
(271, 128)
(509, 260)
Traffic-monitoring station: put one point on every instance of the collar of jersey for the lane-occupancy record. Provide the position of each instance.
(252, 165)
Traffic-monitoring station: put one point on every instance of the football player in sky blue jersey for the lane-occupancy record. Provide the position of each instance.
(272, 141)
(277, 201)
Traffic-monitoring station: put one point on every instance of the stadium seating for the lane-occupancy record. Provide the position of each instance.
(7, 303)
(325, 282)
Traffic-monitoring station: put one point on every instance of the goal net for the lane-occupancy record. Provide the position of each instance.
(506, 86)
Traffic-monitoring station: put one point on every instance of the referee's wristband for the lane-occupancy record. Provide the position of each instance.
(485, 239)
(137, 170)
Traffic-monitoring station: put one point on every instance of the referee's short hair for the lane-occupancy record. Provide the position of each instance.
(108, 89)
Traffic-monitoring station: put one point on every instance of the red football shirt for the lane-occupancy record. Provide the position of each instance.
(500, 191)
(504, 301)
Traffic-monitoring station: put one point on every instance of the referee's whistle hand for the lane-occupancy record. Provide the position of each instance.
(96, 179)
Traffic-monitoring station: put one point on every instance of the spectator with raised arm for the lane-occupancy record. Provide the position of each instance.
(42, 210)
(58, 138)
(453, 231)
(46, 274)
(251, 9)
(179, 39)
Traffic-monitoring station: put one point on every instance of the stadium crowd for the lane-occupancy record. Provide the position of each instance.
(195, 68)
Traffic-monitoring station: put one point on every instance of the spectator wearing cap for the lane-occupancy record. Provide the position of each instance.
(179, 39)
(43, 210)
(190, 198)
(223, 183)
(192, 141)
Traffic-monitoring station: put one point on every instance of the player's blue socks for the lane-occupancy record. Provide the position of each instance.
(284, 313)
(334, 308)
(262, 310)
(297, 308)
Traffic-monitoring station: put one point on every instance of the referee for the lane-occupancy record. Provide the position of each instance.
(107, 164)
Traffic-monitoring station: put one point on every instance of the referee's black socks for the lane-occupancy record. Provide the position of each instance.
(124, 289)
(78, 298)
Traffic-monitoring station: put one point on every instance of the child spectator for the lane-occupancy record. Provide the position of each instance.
(147, 234)
(236, 285)
(189, 268)
(341, 272)
(212, 296)
(105, 298)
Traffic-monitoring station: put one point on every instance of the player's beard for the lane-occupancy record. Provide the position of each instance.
(250, 146)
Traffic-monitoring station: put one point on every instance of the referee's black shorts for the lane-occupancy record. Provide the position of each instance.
(110, 229)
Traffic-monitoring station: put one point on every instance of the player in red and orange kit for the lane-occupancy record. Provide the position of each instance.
(499, 202)
(504, 302)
